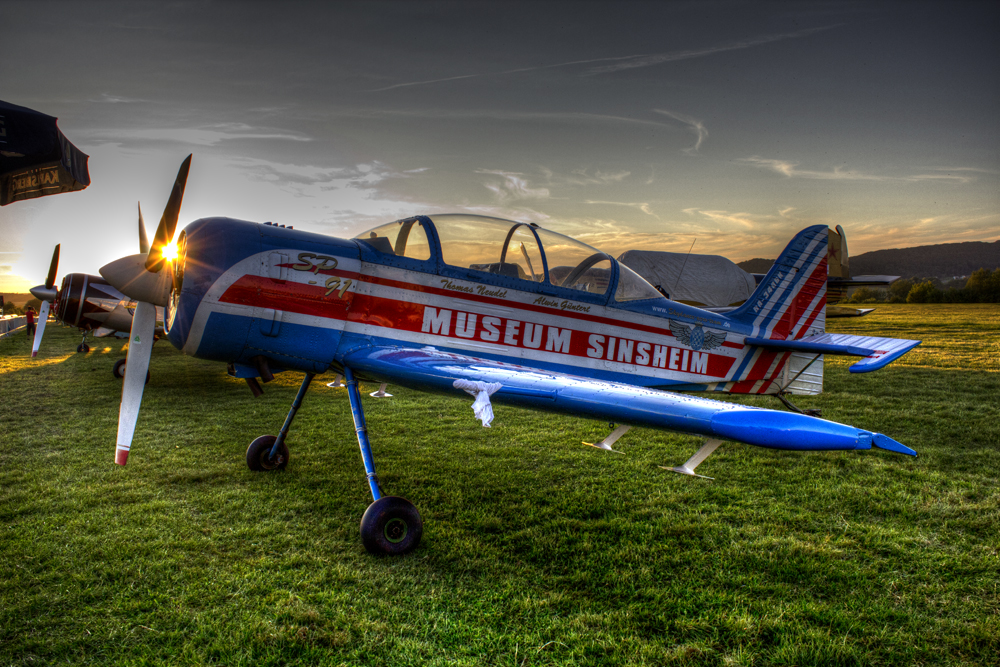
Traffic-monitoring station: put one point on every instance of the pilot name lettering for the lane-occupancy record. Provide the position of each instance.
(456, 287)
(561, 305)
(569, 305)
(481, 290)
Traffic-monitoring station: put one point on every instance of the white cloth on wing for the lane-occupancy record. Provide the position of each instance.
(482, 391)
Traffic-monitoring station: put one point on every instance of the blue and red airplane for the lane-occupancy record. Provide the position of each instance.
(503, 310)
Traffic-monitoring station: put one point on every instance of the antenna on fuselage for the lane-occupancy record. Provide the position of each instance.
(681, 272)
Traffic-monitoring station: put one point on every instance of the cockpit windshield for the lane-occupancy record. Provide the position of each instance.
(403, 238)
(492, 245)
(512, 249)
(575, 265)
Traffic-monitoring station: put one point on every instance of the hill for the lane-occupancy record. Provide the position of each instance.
(17, 299)
(945, 260)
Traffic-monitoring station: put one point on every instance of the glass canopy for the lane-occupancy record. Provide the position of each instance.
(513, 249)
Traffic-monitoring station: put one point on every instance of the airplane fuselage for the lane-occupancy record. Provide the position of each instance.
(304, 301)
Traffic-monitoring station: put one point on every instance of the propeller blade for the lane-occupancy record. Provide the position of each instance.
(143, 241)
(136, 366)
(50, 279)
(129, 276)
(43, 315)
(168, 223)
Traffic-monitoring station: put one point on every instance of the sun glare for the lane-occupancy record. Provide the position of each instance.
(169, 251)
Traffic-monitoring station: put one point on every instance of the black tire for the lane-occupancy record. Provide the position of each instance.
(83, 347)
(391, 526)
(259, 452)
(119, 370)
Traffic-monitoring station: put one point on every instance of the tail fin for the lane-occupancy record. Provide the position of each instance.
(790, 302)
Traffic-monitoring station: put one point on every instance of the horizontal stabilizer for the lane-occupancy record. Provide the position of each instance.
(877, 352)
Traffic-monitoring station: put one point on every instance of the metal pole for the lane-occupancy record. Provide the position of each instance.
(362, 430)
(291, 415)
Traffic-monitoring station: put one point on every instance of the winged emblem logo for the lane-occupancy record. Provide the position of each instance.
(695, 337)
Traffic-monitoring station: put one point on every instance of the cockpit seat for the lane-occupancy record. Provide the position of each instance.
(381, 244)
(508, 269)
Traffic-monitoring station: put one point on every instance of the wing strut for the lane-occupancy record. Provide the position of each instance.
(688, 468)
(611, 439)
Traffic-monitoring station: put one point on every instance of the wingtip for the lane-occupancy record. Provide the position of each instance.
(888, 444)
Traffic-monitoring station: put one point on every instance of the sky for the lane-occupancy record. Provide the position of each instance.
(710, 127)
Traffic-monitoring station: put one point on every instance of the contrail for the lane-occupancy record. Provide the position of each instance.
(628, 62)
(657, 58)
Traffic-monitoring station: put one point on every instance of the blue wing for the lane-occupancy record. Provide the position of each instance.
(428, 369)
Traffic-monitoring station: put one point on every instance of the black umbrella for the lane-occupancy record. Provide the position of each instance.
(36, 159)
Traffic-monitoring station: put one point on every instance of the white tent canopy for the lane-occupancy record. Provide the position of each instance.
(708, 281)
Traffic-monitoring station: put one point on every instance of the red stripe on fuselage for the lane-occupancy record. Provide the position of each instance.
(439, 291)
(508, 332)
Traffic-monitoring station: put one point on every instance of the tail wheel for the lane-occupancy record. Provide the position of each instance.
(83, 348)
(259, 454)
(391, 526)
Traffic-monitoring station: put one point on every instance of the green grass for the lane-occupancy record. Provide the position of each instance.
(536, 550)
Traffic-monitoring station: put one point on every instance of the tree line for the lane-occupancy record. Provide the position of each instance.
(10, 309)
(983, 286)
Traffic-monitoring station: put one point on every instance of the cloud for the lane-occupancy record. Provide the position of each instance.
(107, 98)
(585, 177)
(648, 60)
(696, 126)
(645, 207)
(211, 135)
(495, 114)
(791, 170)
(512, 186)
(626, 62)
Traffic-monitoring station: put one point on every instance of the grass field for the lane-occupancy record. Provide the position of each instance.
(536, 550)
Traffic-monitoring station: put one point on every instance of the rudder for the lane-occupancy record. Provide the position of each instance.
(790, 302)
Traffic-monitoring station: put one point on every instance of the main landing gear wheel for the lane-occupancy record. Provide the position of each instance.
(83, 347)
(259, 454)
(118, 370)
(391, 526)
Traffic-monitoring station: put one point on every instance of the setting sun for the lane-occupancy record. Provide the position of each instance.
(169, 251)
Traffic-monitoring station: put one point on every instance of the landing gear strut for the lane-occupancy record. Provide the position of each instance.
(269, 452)
(391, 525)
(83, 348)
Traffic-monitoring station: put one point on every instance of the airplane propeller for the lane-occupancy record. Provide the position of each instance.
(141, 277)
(46, 293)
